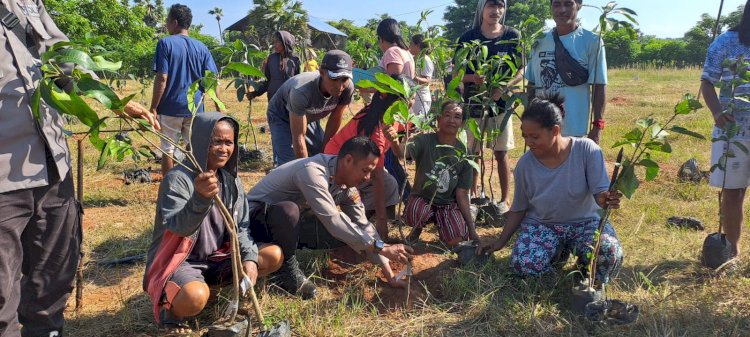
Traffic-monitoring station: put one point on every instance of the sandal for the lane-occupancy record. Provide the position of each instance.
(175, 330)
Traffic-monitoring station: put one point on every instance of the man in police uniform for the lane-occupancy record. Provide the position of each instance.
(39, 217)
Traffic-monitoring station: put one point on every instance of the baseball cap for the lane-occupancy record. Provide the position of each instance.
(338, 63)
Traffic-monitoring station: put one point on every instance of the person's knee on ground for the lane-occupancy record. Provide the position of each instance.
(270, 258)
(731, 208)
(191, 299)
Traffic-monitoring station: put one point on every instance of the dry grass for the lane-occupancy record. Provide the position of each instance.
(661, 274)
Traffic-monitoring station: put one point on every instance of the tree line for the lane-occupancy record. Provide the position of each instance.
(128, 31)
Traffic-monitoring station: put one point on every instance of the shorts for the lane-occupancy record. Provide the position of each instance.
(390, 191)
(174, 127)
(738, 168)
(448, 218)
(503, 142)
(209, 272)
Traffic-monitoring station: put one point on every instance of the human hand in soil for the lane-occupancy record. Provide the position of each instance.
(609, 200)
(207, 185)
(251, 269)
(488, 247)
(396, 283)
(397, 252)
(723, 119)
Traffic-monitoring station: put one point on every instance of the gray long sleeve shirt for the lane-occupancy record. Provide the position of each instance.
(309, 181)
(24, 141)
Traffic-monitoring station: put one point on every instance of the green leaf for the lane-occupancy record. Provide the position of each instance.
(645, 122)
(70, 104)
(104, 155)
(659, 146)
(474, 128)
(741, 146)
(90, 87)
(657, 132)
(687, 105)
(634, 136)
(380, 87)
(684, 131)
(395, 85)
(473, 165)
(245, 69)
(389, 115)
(627, 183)
(68, 55)
(623, 142)
(105, 65)
(191, 96)
(652, 168)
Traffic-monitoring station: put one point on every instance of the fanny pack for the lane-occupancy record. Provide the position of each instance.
(571, 72)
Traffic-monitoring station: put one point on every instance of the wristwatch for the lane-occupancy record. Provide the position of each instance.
(379, 245)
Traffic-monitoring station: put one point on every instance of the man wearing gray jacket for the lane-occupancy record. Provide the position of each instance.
(318, 186)
(40, 219)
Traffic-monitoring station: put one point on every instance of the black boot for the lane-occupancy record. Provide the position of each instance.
(290, 278)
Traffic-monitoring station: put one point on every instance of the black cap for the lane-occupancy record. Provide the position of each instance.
(338, 63)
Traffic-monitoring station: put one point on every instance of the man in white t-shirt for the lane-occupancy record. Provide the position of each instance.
(586, 48)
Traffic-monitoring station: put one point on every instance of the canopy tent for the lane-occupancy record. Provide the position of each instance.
(323, 36)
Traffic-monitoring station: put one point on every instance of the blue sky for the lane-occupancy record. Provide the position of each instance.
(663, 18)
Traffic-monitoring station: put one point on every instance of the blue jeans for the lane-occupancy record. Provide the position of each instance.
(281, 139)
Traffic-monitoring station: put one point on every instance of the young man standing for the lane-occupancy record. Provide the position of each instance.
(500, 40)
(295, 111)
(297, 206)
(179, 61)
(588, 50)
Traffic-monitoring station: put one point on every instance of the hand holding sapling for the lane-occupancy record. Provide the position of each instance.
(207, 185)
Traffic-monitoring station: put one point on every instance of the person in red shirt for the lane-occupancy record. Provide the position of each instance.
(380, 194)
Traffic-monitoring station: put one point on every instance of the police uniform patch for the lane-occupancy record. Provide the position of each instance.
(354, 196)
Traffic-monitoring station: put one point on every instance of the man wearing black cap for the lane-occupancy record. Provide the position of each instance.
(294, 113)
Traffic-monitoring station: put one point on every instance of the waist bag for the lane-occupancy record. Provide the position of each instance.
(571, 72)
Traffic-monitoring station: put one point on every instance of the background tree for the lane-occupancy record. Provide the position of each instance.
(218, 13)
(268, 16)
(458, 18)
(622, 46)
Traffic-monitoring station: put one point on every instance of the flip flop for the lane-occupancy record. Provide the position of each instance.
(175, 330)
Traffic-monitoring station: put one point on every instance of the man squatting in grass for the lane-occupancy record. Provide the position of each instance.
(586, 48)
(729, 46)
(179, 61)
(297, 206)
(442, 181)
(191, 246)
(500, 40)
(40, 219)
(560, 185)
(295, 111)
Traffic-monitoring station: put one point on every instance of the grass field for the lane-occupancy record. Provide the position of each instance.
(661, 272)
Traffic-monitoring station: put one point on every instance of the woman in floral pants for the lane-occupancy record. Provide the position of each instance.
(561, 184)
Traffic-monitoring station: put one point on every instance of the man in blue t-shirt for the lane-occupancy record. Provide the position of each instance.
(586, 48)
(179, 61)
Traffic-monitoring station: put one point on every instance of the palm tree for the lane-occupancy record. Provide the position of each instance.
(218, 12)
